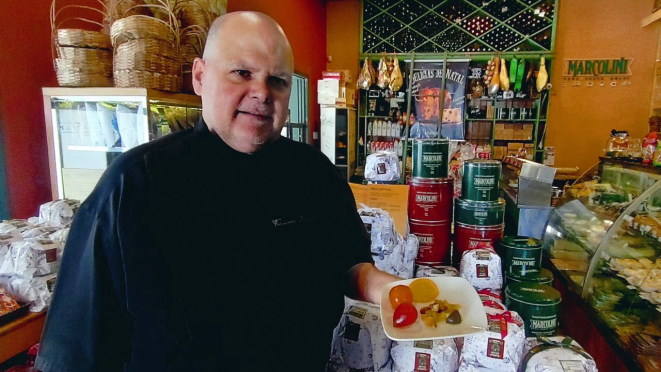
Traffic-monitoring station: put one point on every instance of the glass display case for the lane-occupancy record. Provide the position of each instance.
(87, 128)
(604, 239)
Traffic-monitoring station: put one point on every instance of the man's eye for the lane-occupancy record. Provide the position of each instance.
(242, 73)
(279, 81)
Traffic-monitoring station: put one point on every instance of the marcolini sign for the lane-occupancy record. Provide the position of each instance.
(597, 67)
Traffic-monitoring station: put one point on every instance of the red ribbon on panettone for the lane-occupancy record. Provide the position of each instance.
(504, 318)
(488, 292)
(493, 304)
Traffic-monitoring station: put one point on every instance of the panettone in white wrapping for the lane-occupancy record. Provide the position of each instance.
(555, 354)
(381, 228)
(32, 257)
(482, 268)
(382, 166)
(15, 227)
(430, 355)
(430, 272)
(401, 261)
(489, 295)
(359, 341)
(39, 232)
(499, 348)
(5, 243)
(36, 291)
(60, 236)
(58, 213)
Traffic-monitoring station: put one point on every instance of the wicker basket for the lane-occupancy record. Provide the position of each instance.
(140, 27)
(84, 55)
(83, 39)
(146, 79)
(147, 46)
(193, 14)
(146, 62)
(102, 67)
(76, 78)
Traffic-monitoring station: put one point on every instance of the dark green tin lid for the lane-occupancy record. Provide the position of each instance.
(482, 163)
(533, 294)
(521, 242)
(535, 276)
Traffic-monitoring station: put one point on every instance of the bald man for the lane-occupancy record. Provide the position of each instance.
(220, 248)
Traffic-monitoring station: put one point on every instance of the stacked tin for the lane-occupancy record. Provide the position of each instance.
(479, 214)
(523, 260)
(430, 200)
(527, 285)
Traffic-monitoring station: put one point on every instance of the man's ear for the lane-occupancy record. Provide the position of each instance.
(198, 71)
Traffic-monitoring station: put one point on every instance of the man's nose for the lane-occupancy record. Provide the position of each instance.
(259, 89)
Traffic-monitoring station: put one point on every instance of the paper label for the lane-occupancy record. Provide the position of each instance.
(422, 362)
(495, 348)
(572, 366)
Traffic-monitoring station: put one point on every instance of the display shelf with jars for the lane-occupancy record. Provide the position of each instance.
(88, 128)
(603, 242)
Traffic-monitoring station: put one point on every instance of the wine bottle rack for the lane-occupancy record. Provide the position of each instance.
(458, 26)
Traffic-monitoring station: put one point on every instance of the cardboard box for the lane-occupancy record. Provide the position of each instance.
(500, 126)
(342, 75)
(514, 146)
(509, 126)
(323, 99)
(329, 88)
(508, 134)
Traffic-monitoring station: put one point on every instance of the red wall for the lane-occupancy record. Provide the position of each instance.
(26, 66)
(304, 22)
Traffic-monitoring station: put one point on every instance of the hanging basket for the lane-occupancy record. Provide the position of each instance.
(83, 39)
(140, 27)
(146, 79)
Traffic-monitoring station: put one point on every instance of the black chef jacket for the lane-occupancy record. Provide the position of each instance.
(191, 256)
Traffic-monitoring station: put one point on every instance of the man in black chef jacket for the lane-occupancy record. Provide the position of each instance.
(221, 248)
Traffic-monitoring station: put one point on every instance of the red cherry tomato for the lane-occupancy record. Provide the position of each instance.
(405, 315)
(400, 294)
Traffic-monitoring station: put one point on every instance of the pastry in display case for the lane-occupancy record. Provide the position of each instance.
(604, 239)
(87, 128)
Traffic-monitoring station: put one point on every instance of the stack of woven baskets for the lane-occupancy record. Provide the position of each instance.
(84, 58)
(146, 53)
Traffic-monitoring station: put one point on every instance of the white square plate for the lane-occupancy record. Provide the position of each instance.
(454, 290)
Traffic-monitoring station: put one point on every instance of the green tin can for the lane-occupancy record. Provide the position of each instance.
(480, 180)
(542, 276)
(537, 304)
(521, 254)
(430, 157)
(479, 213)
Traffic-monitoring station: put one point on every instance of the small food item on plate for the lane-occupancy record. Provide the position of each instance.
(440, 311)
(405, 315)
(424, 290)
(400, 294)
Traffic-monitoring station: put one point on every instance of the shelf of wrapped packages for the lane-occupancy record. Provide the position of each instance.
(20, 334)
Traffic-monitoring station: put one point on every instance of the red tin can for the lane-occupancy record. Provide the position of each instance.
(430, 199)
(467, 237)
(434, 240)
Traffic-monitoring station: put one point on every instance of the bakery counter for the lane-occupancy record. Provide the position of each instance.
(603, 245)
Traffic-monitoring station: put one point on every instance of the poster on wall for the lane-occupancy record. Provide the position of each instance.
(426, 89)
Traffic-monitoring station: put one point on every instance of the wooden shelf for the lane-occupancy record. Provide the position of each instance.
(21, 334)
(651, 18)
